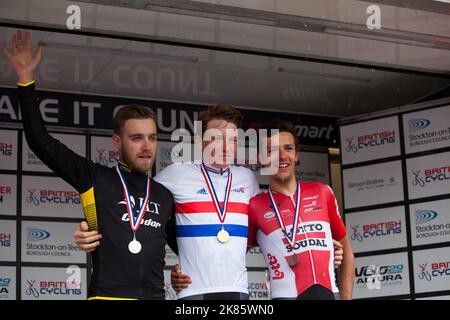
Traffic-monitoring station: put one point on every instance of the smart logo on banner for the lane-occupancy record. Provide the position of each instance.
(8, 149)
(103, 151)
(54, 283)
(432, 269)
(429, 175)
(381, 275)
(49, 197)
(30, 162)
(426, 130)
(377, 229)
(370, 140)
(375, 184)
(50, 242)
(8, 192)
(430, 222)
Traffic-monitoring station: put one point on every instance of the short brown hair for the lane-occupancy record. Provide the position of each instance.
(131, 111)
(283, 126)
(221, 112)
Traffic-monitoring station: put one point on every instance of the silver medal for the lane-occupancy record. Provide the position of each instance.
(134, 246)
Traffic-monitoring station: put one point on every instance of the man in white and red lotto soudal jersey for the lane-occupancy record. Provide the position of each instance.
(294, 224)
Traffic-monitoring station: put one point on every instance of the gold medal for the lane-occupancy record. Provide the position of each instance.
(223, 236)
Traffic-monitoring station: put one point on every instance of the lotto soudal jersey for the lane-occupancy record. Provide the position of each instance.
(212, 265)
(117, 273)
(318, 223)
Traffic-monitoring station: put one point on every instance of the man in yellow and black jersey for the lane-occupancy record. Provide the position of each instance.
(133, 212)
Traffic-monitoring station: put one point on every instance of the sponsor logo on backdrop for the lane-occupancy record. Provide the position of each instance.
(37, 246)
(378, 277)
(420, 135)
(430, 175)
(32, 159)
(258, 290)
(6, 149)
(434, 271)
(426, 229)
(375, 230)
(367, 141)
(52, 196)
(106, 158)
(310, 176)
(48, 288)
(5, 239)
(371, 184)
(4, 191)
(5, 282)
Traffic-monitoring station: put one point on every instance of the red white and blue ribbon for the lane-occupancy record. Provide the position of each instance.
(135, 221)
(291, 238)
(221, 210)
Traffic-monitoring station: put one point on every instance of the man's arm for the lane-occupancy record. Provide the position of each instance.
(346, 272)
(71, 167)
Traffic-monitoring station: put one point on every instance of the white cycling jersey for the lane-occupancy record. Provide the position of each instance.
(213, 266)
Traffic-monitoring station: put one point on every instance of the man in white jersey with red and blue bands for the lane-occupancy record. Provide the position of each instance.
(211, 209)
(294, 224)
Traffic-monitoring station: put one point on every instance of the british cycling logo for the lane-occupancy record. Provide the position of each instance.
(426, 230)
(106, 158)
(52, 288)
(34, 234)
(372, 230)
(438, 270)
(378, 277)
(52, 197)
(6, 149)
(239, 190)
(4, 287)
(370, 140)
(419, 136)
(5, 239)
(430, 175)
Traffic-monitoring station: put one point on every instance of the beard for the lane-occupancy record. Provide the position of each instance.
(134, 164)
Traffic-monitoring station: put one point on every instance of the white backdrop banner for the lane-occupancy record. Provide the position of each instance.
(426, 130)
(430, 222)
(377, 229)
(432, 270)
(54, 283)
(30, 162)
(50, 197)
(428, 175)
(370, 140)
(7, 283)
(258, 288)
(8, 149)
(381, 275)
(8, 194)
(374, 184)
(8, 240)
(50, 242)
(255, 258)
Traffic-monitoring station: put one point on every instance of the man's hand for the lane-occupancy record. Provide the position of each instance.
(179, 280)
(338, 253)
(21, 57)
(87, 240)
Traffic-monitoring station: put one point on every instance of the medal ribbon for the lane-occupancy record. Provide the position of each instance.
(135, 222)
(290, 239)
(221, 211)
